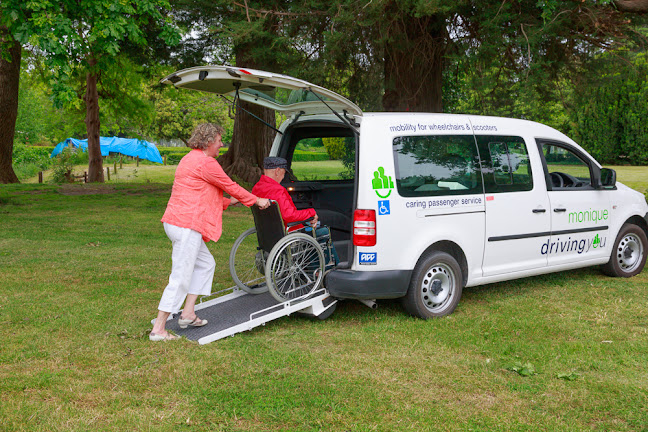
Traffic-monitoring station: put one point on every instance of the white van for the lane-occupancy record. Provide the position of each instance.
(426, 204)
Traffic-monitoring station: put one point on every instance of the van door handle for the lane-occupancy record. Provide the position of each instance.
(539, 210)
(559, 210)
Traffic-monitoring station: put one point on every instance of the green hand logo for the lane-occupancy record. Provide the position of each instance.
(382, 181)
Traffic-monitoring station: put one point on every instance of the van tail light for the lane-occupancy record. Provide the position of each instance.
(364, 227)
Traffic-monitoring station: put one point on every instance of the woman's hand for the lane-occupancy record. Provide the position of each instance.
(234, 201)
(263, 203)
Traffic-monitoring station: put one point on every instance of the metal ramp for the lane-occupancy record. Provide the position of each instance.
(239, 311)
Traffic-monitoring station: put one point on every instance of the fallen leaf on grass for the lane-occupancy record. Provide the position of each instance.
(571, 376)
(526, 369)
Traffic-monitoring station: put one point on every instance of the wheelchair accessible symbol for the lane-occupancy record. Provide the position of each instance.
(382, 182)
(383, 207)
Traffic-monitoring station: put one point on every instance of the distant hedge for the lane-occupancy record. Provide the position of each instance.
(306, 156)
(174, 154)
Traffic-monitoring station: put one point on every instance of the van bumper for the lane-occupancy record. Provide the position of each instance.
(353, 284)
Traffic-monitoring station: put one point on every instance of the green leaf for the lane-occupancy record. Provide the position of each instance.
(526, 369)
(569, 376)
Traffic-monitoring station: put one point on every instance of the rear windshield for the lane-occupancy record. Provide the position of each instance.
(436, 165)
(324, 158)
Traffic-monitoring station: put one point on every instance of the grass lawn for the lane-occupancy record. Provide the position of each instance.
(82, 268)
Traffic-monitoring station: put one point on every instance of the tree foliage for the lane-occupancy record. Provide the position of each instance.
(83, 39)
(560, 62)
(610, 108)
(178, 112)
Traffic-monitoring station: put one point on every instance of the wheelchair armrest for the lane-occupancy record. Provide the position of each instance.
(299, 222)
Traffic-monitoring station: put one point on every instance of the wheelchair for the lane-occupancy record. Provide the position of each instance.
(289, 264)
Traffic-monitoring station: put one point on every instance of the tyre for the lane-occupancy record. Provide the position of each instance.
(295, 267)
(629, 253)
(247, 263)
(436, 286)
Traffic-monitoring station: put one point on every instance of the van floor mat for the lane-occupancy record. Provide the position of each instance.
(224, 315)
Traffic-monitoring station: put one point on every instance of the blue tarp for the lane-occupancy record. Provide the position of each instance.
(126, 146)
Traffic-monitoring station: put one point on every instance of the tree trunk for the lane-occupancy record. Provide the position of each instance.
(414, 61)
(251, 139)
(633, 6)
(9, 81)
(251, 142)
(91, 98)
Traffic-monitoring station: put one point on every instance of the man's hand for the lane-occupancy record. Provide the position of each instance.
(314, 221)
(233, 201)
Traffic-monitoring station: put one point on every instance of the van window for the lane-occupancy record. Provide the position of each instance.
(567, 171)
(436, 165)
(324, 158)
(505, 164)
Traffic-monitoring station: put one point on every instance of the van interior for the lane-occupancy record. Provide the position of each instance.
(330, 190)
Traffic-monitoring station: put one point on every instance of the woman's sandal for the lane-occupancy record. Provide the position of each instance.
(155, 337)
(195, 322)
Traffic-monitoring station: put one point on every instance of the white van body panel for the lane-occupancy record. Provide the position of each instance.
(421, 221)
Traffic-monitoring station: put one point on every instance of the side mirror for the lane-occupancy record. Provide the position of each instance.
(608, 178)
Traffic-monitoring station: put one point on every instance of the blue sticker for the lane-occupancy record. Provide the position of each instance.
(368, 258)
(383, 207)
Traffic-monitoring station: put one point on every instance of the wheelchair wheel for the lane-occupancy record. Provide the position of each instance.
(247, 263)
(295, 267)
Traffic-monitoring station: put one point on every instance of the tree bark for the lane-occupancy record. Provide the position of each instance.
(9, 81)
(251, 139)
(251, 143)
(414, 60)
(633, 6)
(91, 98)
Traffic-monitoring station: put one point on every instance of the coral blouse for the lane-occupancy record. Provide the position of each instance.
(197, 200)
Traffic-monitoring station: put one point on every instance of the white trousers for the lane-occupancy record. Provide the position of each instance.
(192, 268)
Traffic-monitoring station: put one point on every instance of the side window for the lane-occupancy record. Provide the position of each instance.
(505, 164)
(436, 165)
(324, 158)
(567, 170)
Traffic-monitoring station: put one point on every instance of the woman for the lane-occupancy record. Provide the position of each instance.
(194, 216)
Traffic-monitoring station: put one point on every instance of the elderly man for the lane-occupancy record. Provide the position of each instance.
(274, 170)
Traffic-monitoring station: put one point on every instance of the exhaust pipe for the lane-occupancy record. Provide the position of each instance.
(371, 304)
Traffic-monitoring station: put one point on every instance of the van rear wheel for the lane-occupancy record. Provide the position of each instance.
(435, 288)
(629, 253)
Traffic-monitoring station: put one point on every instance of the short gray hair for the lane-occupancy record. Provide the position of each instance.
(203, 134)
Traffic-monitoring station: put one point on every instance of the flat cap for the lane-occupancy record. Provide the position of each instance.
(274, 162)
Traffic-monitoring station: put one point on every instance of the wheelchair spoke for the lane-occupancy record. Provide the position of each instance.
(296, 268)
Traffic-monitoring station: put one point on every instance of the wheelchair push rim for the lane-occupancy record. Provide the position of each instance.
(295, 267)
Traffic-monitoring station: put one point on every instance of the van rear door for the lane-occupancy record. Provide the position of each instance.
(282, 93)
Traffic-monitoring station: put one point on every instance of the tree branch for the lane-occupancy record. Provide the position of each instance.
(273, 12)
